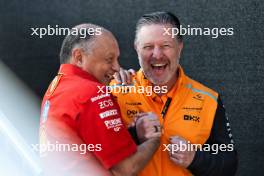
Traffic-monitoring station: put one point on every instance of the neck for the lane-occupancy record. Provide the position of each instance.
(169, 84)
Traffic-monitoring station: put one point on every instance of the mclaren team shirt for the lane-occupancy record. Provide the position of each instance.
(189, 110)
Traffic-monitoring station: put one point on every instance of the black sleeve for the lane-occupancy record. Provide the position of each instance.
(223, 163)
(133, 132)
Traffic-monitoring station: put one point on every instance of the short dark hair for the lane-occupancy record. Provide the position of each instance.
(76, 39)
(158, 18)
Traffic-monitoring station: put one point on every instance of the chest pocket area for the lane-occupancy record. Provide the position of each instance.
(192, 126)
(130, 112)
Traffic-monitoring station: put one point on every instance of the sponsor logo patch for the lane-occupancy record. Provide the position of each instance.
(98, 97)
(105, 104)
(108, 113)
(191, 118)
(193, 108)
(133, 103)
(113, 123)
(198, 97)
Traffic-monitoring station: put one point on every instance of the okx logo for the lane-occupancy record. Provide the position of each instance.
(192, 118)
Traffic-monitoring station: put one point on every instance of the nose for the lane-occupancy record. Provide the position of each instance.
(116, 66)
(157, 52)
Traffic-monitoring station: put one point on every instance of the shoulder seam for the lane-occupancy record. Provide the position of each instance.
(201, 91)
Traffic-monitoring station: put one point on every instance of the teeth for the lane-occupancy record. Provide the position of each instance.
(158, 65)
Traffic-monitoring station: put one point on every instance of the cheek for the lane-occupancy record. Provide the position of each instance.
(173, 57)
(104, 68)
(148, 54)
(142, 61)
(144, 57)
(98, 70)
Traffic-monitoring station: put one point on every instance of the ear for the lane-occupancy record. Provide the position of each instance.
(77, 58)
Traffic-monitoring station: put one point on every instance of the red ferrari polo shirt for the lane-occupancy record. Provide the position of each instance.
(76, 110)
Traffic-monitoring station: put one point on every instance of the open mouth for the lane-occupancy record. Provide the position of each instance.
(159, 66)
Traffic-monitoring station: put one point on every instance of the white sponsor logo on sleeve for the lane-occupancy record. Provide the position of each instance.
(113, 123)
(108, 113)
(98, 97)
(105, 103)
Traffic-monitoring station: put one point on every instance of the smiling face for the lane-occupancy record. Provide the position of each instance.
(158, 54)
(102, 60)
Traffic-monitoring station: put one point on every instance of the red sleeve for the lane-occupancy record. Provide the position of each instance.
(100, 123)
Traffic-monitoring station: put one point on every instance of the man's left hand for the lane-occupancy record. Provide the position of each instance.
(180, 157)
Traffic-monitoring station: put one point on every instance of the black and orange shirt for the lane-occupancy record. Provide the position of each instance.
(74, 110)
(190, 114)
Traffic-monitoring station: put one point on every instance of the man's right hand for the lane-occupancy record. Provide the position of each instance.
(148, 133)
(148, 126)
(124, 76)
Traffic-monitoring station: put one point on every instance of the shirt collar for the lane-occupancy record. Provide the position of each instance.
(69, 69)
(145, 82)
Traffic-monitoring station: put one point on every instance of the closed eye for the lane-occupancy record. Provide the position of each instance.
(166, 46)
(109, 60)
(147, 47)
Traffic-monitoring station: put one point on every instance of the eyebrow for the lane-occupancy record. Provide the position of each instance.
(147, 43)
(112, 55)
(108, 55)
(167, 42)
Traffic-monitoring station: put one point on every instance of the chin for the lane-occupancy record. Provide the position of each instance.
(161, 80)
(157, 81)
